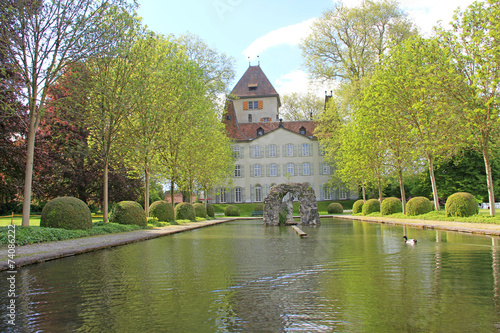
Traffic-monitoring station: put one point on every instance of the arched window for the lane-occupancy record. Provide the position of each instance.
(249, 118)
(302, 130)
(260, 131)
(238, 194)
(222, 195)
(258, 193)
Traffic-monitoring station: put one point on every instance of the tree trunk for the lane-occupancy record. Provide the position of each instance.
(28, 177)
(433, 182)
(105, 192)
(146, 194)
(364, 192)
(489, 181)
(379, 190)
(402, 187)
(172, 196)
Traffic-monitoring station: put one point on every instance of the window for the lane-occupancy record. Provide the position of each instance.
(253, 105)
(238, 195)
(249, 118)
(256, 151)
(343, 193)
(306, 170)
(326, 169)
(222, 195)
(257, 170)
(273, 170)
(260, 131)
(258, 193)
(265, 119)
(237, 171)
(290, 169)
(302, 130)
(272, 151)
(305, 149)
(289, 149)
(327, 195)
(237, 152)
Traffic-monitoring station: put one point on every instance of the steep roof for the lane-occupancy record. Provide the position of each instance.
(248, 131)
(254, 83)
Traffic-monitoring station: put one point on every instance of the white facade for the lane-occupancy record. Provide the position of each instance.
(278, 157)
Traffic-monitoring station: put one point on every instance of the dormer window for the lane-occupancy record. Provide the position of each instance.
(252, 86)
(260, 131)
(302, 130)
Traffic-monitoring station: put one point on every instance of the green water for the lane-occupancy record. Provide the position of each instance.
(243, 277)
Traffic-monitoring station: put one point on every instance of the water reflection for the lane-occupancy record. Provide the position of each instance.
(345, 276)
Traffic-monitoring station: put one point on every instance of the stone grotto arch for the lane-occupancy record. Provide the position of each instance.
(273, 203)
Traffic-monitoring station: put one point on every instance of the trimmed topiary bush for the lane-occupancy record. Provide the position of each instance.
(371, 206)
(184, 211)
(335, 208)
(357, 207)
(390, 206)
(67, 213)
(231, 211)
(461, 204)
(162, 210)
(418, 205)
(210, 210)
(128, 212)
(199, 210)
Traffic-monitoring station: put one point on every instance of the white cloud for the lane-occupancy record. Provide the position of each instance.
(298, 82)
(289, 35)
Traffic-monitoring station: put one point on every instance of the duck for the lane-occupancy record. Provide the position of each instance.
(410, 241)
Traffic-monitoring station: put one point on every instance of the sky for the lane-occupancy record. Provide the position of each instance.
(269, 29)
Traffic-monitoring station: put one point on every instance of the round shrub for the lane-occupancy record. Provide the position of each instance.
(335, 208)
(461, 204)
(128, 212)
(390, 206)
(231, 211)
(162, 210)
(199, 210)
(357, 207)
(371, 206)
(67, 213)
(418, 205)
(184, 211)
(210, 210)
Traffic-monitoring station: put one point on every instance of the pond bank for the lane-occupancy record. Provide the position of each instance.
(40, 252)
(474, 228)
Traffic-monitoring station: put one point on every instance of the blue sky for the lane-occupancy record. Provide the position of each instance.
(270, 28)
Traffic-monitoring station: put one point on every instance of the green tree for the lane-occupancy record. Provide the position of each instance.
(346, 42)
(301, 106)
(110, 102)
(474, 42)
(39, 39)
(413, 77)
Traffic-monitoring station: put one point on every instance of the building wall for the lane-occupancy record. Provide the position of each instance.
(292, 152)
(269, 109)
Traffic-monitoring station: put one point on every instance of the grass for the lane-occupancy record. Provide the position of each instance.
(246, 209)
(36, 234)
(482, 217)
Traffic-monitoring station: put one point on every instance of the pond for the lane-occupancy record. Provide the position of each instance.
(346, 276)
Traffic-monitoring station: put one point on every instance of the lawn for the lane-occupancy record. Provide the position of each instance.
(482, 217)
(34, 220)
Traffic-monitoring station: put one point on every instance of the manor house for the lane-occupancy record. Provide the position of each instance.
(268, 150)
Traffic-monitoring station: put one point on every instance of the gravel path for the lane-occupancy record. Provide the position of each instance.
(40, 252)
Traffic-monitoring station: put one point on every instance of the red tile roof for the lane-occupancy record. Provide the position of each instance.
(248, 131)
(254, 83)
